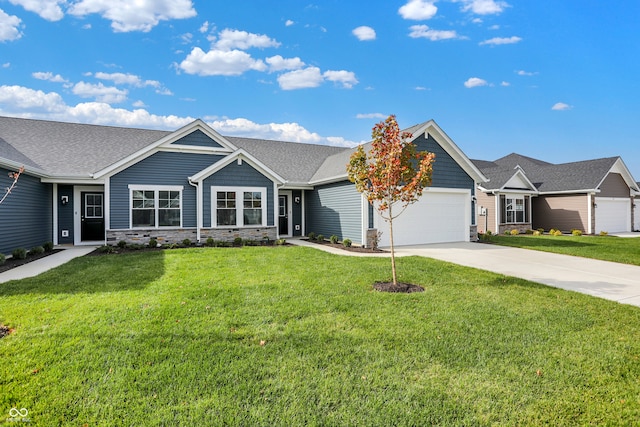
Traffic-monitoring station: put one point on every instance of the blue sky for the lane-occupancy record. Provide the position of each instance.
(555, 80)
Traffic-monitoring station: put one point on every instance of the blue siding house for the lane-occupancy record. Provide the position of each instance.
(88, 184)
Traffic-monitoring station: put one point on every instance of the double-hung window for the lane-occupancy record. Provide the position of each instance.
(514, 209)
(238, 206)
(156, 206)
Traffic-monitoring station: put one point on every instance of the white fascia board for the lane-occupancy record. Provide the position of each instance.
(244, 156)
(330, 180)
(72, 180)
(447, 144)
(564, 192)
(296, 186)
(227, 147)
(29, 170)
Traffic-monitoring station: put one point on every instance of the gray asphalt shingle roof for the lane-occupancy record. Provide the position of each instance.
(547, 177)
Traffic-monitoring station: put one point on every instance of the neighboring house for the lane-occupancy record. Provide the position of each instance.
(526, 193)
(88, 184)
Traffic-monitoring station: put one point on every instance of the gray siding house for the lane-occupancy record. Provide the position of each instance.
(89, 184)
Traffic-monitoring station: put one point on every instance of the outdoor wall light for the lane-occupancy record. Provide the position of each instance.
(296, 199)
(64, 200)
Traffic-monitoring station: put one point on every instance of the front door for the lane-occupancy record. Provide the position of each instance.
(92, 216)
(283, 215)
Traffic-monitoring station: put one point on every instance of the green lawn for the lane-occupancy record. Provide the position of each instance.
(608, 248)
(290, 336)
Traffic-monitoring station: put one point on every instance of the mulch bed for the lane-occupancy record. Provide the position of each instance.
(13, 263)
(349, 249)
(400, 287)
(4, 330)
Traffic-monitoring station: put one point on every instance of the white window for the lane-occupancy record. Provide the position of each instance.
(155, 206)
(238, 206)
(514, 209)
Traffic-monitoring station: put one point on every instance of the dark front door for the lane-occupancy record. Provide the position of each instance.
(283, 216)
(92, 216)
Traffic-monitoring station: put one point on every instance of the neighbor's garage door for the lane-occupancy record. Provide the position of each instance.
(435, 218)
(613, 215)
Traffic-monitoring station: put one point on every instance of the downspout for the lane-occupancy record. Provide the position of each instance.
(198, 188)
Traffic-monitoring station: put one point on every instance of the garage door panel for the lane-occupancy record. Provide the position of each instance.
(435, 218)
(613, 215)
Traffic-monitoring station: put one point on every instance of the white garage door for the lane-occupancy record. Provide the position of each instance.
(613, 215)
(636, 226)
(435, 218)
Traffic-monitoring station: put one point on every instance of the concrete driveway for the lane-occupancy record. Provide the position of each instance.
(609, 280)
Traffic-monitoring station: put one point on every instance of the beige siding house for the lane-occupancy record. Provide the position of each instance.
(593, 196)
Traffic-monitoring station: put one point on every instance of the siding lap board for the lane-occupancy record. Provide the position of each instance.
(335, 209)
(162, 168)
(197, 138)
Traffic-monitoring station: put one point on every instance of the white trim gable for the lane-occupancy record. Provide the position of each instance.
(167, 144)
(239, 156)
(447, 144)
(620, 168)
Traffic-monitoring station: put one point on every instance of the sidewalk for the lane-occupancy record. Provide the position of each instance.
(47, 263)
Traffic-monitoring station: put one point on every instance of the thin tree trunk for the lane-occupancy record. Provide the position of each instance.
(393, 252)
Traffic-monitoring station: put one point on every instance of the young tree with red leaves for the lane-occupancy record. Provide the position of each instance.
(14, 176)
(392, 175)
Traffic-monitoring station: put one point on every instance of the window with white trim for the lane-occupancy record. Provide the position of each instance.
(514, 209)
(238, 206)
(156, 206)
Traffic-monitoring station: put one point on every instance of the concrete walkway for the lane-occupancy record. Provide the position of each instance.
(608, 280)
(41, 265)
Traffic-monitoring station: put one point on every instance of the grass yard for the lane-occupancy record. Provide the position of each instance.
(625, 250)
(290, 336)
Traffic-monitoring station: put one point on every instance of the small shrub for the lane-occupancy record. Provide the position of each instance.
(122, 244)
(153, 243)
(47, 246)
(36, 250)
(19, 253)
(552, 230)
(280, 242)
(604, 233)
(514, 232)
(106, 249)
(249, 242)
(556, 233)
(210, 242)
(3, 259)
(347, 243)
(186, 242)
(237, 241)
(537, 233)
(172, 246)
(507, 232)
(485, 237)
(576, 232)
(541, 230)
(320, 238)
(312, 236)
(334, 239)
(135, 246)
(488, 232)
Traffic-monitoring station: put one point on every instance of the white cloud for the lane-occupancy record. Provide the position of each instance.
(289, 23)
(501, 40)
(139, 104)
(9, 27)
(505, 84)
(301, 79)
(418, 10)
(371, 116)
(484, 7)
(423, 31)
(6, 65)
(128, 79)
(421, 88)
(48, 76)
(234, 39)
(19, 98)
(278, 63)
(475, 82)
(293, 132)
(204, 27)
(127, 15)
(364, 33)
(220, 63)
(101, 93)
(561, 106)
(525, 73)
(347, 78)
(47, 9)
(494, 27)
